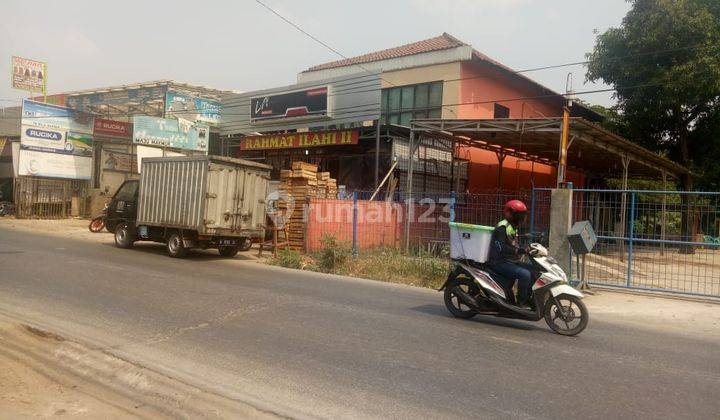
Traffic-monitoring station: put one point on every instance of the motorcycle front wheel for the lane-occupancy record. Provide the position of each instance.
(566, 314)
(453, 303)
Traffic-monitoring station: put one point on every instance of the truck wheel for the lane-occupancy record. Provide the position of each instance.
(228, 251)
(124, 237)
(245, 244)
(175, 246)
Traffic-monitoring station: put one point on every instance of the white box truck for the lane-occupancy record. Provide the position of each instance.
(192, 202)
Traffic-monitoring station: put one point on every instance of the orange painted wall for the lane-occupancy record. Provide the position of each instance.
(484, 84)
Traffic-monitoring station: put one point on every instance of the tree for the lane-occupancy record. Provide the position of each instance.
(664, 62)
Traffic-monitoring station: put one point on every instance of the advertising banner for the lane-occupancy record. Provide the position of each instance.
(112, 128)
(54, 165)
(301, 103)
(55, 142)
(55, 129)
(179, 105)
(137, 95)
(118, 161)
(165, 132)
(300, 140)
(29, 75)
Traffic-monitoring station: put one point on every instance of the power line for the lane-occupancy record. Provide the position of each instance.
(314, 38)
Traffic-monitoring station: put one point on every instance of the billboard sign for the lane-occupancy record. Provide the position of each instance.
(29, 75)
(303, 103)
(137, 95)
(112, 128)
(339, 102)
(118, 161)
(179, 105)
(165, 132)
(55, 141)
(300, 140)
(55, 129)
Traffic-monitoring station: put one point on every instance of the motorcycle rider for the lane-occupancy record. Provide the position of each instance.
(505, 252)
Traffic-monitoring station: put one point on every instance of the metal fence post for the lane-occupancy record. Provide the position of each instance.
(631, 233)
(452, 206)
(355, 224)
(532, 213)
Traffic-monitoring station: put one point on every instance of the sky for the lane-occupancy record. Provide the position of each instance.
(242, 46)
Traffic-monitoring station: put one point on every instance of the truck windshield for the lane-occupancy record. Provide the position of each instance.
(127, 191)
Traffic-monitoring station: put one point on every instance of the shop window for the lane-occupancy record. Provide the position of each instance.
(401, 104)
(501, 111)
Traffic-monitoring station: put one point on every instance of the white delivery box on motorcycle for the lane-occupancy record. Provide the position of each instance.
(471, 242)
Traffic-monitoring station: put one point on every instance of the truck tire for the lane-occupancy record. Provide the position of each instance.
(245, 244)
(175, 246)
(228, 251)
(124, 236)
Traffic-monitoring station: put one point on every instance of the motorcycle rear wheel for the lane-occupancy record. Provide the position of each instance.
(453, 303)
(97, 224)
(569, 320)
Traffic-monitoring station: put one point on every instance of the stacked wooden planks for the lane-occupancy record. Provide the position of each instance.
(303, 182)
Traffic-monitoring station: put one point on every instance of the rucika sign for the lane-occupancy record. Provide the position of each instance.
(298, 104)
(300, 140)
(112, 128)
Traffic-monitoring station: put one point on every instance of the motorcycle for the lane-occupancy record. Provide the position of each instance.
(471, 289)
(6, 208)
(98, 222)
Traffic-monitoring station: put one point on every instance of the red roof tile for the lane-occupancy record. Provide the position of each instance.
(442, 42)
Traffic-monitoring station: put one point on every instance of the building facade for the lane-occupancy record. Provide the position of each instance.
(443, 77)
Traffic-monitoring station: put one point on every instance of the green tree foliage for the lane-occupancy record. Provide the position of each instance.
(664, 61)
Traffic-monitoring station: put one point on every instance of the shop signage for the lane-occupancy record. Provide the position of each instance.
(117, 161)
(29, 75)
(55, 129)
(298, 104)
(165, 132)
(179, 105)
(300, 140)
(55, 141)
(347, 101)
(112, 128)
(138, 95)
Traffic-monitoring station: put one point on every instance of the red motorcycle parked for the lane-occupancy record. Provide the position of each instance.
(97, 224)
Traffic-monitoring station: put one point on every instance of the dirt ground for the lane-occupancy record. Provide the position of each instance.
(46, 376)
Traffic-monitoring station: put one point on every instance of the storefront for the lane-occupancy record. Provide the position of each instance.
(334, 123)
(78, 180)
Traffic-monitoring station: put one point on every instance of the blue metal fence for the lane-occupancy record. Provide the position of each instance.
(656, 240)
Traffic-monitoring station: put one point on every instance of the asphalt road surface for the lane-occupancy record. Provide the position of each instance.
(302, 344)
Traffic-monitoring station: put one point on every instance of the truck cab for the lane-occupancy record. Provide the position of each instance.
(123, 206)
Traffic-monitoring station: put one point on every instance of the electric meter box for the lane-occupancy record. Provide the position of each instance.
(582, 237)
(470, 242)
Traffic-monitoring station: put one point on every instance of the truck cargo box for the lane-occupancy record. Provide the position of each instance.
(212, 195)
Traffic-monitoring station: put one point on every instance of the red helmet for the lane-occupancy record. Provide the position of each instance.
(516, 206)
(515, 211)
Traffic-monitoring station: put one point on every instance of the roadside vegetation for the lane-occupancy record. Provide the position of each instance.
(383, 264)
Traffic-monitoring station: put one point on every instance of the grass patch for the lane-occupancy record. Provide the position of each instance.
(383, 264)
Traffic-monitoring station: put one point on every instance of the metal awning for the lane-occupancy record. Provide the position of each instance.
(592, 150)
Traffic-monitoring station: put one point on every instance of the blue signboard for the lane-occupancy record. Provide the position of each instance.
(55, 141)
(179, 105)
(165, 132)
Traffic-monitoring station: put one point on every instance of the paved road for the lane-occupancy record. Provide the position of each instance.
(312, 345)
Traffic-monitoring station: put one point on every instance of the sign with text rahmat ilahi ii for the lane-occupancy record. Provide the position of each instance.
(300, 140)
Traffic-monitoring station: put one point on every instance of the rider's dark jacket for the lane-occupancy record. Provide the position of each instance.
(504, 243)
